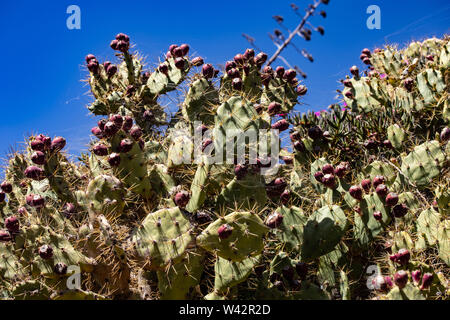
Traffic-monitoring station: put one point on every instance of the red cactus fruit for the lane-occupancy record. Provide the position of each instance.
(164, 68)
(35, 200)
(240, 171)
(60, 268)
(45, 252)
(274, 108)
(381, 190)
(69, 209)
(230, 65)
(100, 149)
(285, 196)
(96, 131)
(391, 199)
(135, 132)
(415, 275)
(127, 123)
(289, 74)
(401, 278)
(281, 125)
(114, 159)
(111, 128)
(197, 61)
(208, 70)
(6, 187)
(37, 145)
(341, 169)
(12, 224)
(299, 146)
(5, 236)
(180, 63)
(400, 210)
(35, 173)
(148, 115)
(206, 143)
(445, 134)
(378, 215)
(90, 57)
(427, 280)
(58, 144)
(237, 84)
(260, 59)
(302, 269)
(38, 158)
(249, 54)
(224, 231)
(126, 145)
(328, 169)
(274, 220)
(233, 73)
(301, 90)
(315, 133)
(378, 180)
(181, 198)
(318, 176)
(329, 181)
(354, 71)
(239, 59)
(356, 192)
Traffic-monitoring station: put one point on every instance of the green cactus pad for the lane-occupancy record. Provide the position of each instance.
(323, 231)
(396, 135)
(164, 237)
(229, 273)
(245, 241)
(409, 292)
(200, 101)
(428, 224)
(105, 195)
(290, 232)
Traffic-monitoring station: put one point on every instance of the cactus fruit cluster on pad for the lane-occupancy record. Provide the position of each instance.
(365, 185)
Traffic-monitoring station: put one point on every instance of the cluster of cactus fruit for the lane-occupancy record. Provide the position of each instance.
(366, 184)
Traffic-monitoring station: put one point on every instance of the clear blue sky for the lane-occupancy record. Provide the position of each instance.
(42, 61)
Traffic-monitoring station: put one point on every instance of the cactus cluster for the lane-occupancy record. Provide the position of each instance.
(365, 184)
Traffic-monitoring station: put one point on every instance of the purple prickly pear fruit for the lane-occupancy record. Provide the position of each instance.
(287, 160)
(302, 270)
(377, 215)
(127, 123)
(69, 210)
(96, 131)
(164, 69)
(401, 278)
(100, 150)
(445, 134)
(289, 74)
(35, 173)
(258, 108)
(280, 183)
(233, 73)
(230, 65)
(349, 94)
(37, 145)
(172, 47)
(430, 57)
(356, 192)
(362, 56)
(378, 180)
(299, 146)
(206, 143)
(45, 252)
(381, 190)
(329, 181)
(101, 124)
(197, 61)
(249, 54)
(281, 125)
(400, 210)
(285, 196)
(38, 158)
(126, 145)
(181, 199)
(301, 90)
(180, 63)
(382, 283)
(12, 224)
(366, 61)
(389, 281)
(260, 59)
(110, 129)
(387, 144)
(6, 187)
(315, 133)
(239, 59)
(391, 199)
(22, 211)
(366, 52)
(93, 66)
(265, 78)
(273, 108)
(288, 273)
(177, 52)
(111, 70)
(35, 200)
(427, 280)
(415, 275)
(328, 168)
(341, 169)
(135, 132)
(90, 57)
(268, 69)
(318, 176)
(224, 231)
(5, 236)
(274, 220)
(2, 197)
(58, 144)
(122, 37)
(237, 84)
(279, 285)
(403, 256)
(114, 159)
(114, 44)
(106, 64)
(208, 70)
(280, 71)
(408, 84)
(148, 115)
(354, 71)
(60, 268)
(184, 49)
(347, 83)
(295, 136)
(240, 171)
